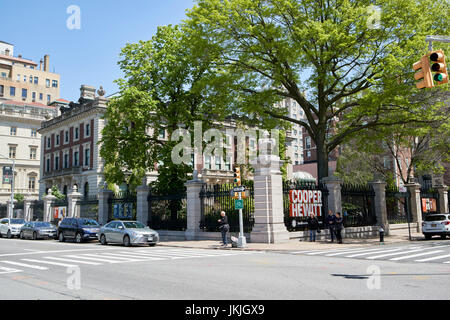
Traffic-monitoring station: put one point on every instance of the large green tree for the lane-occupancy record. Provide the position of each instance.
(353, 69)
(168, 83)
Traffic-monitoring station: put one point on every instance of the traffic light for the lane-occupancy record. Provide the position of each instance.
(424, 73)
(237, 175)
(439, 67)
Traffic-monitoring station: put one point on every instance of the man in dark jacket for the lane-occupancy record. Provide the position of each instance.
(331, 222)
(313, 225)
(339, 225)
(224, 227)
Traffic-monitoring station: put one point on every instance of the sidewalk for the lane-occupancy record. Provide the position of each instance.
(397, 236)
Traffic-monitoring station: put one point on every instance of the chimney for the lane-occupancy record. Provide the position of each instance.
(87, 92)
(7, 52)
(40, 65)
(46, 62)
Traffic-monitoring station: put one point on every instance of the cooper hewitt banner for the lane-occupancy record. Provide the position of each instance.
(303, 203)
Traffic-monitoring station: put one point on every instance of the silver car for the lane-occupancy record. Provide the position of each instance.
(38, 230)
(127, 233)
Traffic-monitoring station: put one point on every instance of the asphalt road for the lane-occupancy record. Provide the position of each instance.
(52, 270)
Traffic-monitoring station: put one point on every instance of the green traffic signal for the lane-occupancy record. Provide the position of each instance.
(438, 77)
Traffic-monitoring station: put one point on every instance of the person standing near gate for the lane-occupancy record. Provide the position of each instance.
(224, 227)
(313, 225)
(331, 221)
(339, 225)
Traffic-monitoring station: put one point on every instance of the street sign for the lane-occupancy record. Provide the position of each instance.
(7, 174)
(238, 204)
(239, 189)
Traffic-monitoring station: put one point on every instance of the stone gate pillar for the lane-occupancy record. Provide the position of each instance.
(333, 184)
(48, 201)
(415, 204)
(443, 198)
(380, 204)
(194, 209)
(27, 209)
(142, 204)
(103, 206)
(269, 212)
(72, 202)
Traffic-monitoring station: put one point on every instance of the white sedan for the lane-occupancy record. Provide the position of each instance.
(11, 227)
(436, 225)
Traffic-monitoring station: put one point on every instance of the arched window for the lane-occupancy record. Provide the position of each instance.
(86, 189)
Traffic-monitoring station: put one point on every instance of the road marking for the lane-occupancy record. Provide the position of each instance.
(433, 258)
(25, 265)
(93, 259)
(128, 256)
(54, 251)
(71, 260)
(416, 255)
(337, 251)
(366, 253)
(4, 270)
(346, 252)
(188, 254)
(150, 255)
(51, 263)
(394, 254)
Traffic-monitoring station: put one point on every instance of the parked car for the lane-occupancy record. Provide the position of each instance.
(38, 230)
(10, 227)
(436, 225)
(127, 233)
(78, 229)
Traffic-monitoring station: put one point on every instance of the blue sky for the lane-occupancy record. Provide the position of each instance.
(89, 55)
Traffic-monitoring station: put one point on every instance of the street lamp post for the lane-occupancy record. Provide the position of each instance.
(11, 205)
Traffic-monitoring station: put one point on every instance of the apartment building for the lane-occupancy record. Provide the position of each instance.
(26, 93)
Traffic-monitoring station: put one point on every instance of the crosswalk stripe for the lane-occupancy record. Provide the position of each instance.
(104, 256)
(9, 270)
(128, 256)
(145, 255)
(433, 258)
(347, 252)
(25, 265)
(367, 253)
(187, 254)
(93, 259)
(51, 263)
(393, 254)
(336, 251)
(416, 255)
(125, 259)
(71, 260)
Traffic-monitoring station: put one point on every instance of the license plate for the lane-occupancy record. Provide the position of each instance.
(433, 225)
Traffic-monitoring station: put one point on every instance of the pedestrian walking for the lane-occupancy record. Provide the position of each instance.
(339, 225)
(224, 227)
(313, 226)
(331, 222)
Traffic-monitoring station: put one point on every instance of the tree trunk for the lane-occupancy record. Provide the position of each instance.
(322, 160)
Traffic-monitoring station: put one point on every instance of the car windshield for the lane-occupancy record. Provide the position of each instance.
(88, 223)
(43, 225)
(17, 221)
(435, 218)
(134, 225)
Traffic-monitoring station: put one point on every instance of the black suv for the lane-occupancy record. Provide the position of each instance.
(78, 229)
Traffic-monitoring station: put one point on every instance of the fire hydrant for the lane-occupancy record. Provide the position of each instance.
(381, 231)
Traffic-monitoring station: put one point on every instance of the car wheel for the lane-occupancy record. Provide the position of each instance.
(152, 244)
(34, 235)
(78, 238)
(427, 237)
(126, 241)
(61, 237)
(103, 240)
(21, 235)
(8, 235)
(443, 237)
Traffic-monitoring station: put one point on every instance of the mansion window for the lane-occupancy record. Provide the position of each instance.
(77, 133)
(48, 165)
(32, 184)
(66, 137)
(33, 133)
(12, 152)
(66, 161)
(88, 130)
(13, 131)
(76, 159)
(57, 163)
(87, 156)
(33, 153)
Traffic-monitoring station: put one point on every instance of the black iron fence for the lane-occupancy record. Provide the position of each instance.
(167, 212)
(358, 205)
(3, 210)
(300, 223)
(37, 210)
(122, 206)
(217, 198)
(89, 207)
(397, 205)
